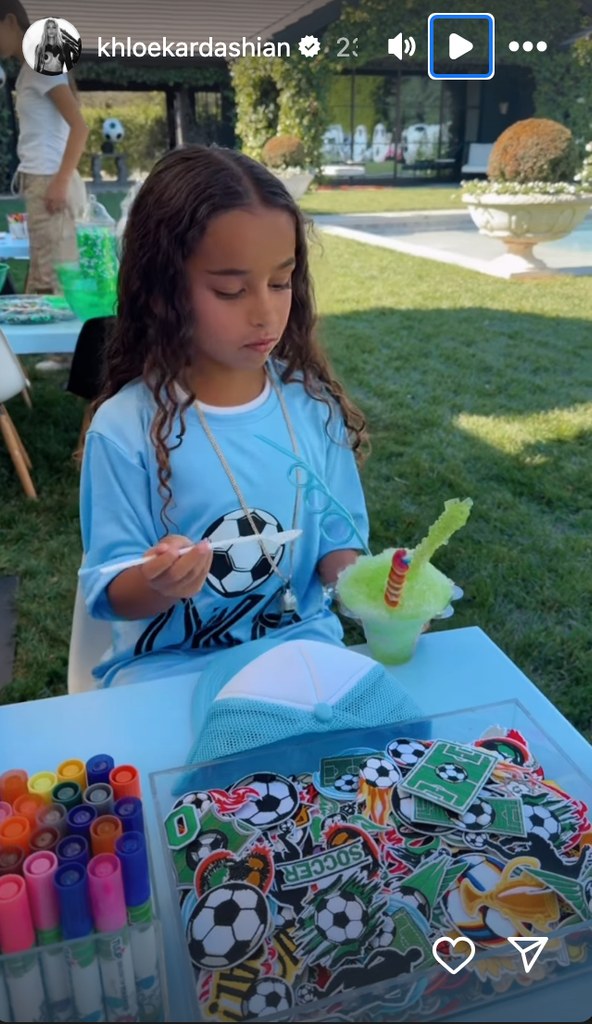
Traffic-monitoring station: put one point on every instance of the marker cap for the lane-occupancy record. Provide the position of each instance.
(45, 838)
(53, 816)
(73, 770)
(129, 809)
(39, 870)
(133, 856)
(29, 804)
(125, 780)
(16, 925)
(98, 768)
(71, 883)
(104, 832)
(67, 793)
(11, 860)
(73, 849)
(80, 819)
(107, 897)
(15, 831)
(5, 810)
(12, 784)
(42, 784)
(100, 795)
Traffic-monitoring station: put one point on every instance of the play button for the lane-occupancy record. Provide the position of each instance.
(461, 46)
(458, 46)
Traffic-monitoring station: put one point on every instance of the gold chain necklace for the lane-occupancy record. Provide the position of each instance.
(289, 602)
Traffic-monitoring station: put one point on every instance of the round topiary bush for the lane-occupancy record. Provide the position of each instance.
(283, 151)
(536, 149)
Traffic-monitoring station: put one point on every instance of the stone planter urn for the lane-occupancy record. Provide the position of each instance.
(296, 181)
(523, 221)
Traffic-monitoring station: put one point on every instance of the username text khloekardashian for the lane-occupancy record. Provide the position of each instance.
(208, 47)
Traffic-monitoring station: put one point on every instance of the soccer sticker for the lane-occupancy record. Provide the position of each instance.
(451, 774)
(227, 925)
(276, 800)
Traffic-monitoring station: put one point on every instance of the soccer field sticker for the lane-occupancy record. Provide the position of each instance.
(450, 774)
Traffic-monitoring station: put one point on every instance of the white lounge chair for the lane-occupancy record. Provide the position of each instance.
(478, 159)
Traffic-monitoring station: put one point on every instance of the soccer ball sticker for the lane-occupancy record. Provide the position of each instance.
(267, 996)
(341, 918)
(239, 568)
(540, 821)
(406, 752)
(201, 801)
(451, 773)
(346, 783)
(378, 778)
(227, 926)
(380, 772)
(277, 800)
(478, 817)
(205, 844)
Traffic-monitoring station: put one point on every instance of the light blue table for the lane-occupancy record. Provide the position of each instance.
(42, 339)
(13, 248)
(149, 726)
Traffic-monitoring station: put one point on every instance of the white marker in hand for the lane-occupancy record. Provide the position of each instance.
(271, 541)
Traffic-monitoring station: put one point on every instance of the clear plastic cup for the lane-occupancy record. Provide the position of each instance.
(392, 642)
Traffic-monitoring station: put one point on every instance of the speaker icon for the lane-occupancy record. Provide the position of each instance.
(398, 45)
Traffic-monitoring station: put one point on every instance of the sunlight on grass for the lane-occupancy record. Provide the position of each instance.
(527, 437)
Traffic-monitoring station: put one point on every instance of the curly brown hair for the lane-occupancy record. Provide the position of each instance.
(152, 337)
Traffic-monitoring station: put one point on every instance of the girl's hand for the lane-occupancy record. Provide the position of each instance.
(56, 196)
(176, 576)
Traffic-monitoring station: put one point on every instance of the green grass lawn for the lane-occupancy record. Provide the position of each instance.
(471, 386)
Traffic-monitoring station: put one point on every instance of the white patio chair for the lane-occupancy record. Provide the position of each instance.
(13, 382)
(89, 640)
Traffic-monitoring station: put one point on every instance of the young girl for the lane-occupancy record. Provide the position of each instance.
(220, 419)
(52, 137)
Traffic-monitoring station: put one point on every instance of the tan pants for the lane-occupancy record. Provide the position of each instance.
(52, 236)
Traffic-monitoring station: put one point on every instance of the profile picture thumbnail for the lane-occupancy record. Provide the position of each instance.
(52, 46)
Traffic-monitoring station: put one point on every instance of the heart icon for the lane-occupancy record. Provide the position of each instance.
(454, 942)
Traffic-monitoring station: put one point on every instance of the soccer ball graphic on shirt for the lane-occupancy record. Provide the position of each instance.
(113, 130)
(238, 569)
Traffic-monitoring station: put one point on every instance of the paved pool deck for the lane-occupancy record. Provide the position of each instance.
(450, 236)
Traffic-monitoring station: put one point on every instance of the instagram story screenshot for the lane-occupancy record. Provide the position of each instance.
(295, 511)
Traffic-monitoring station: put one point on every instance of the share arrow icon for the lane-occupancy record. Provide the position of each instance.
(529, 949)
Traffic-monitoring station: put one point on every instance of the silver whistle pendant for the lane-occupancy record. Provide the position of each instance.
(289, 601)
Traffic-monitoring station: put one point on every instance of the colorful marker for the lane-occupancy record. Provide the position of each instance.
(107, 901)
(73, 770)
(42, 784)
(71, 885)
(5, 812)
(11, 861)
(80, 818)
(29, 805)
(133, 856)
(15, 831)
(100, 795)
(54, 816)
(68, 794)
(125, 780)
(98, 768)
(129, 809)
(46, 838)
(73, 850)
(12, 784)
(104, 831)
(17, 935)
(39, 872)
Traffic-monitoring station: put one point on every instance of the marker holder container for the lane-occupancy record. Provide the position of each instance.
(493, 983)
(107, 977)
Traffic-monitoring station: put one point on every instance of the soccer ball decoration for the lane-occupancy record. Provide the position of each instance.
(415, 900)
(277, 800)
(201, 801)
(113, 130)
(540, 821)
(267, 996)
(380, 773)
(406, 753)
(451, 773)
(341, 918)
(346, 783)
(227, 925)
(239, 569)
(203, 846)
(477, 817)
(383, 938)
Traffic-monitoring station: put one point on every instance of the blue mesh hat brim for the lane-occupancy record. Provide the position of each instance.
(238, 724)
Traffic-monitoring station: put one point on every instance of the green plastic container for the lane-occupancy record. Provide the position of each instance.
(87, 296)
